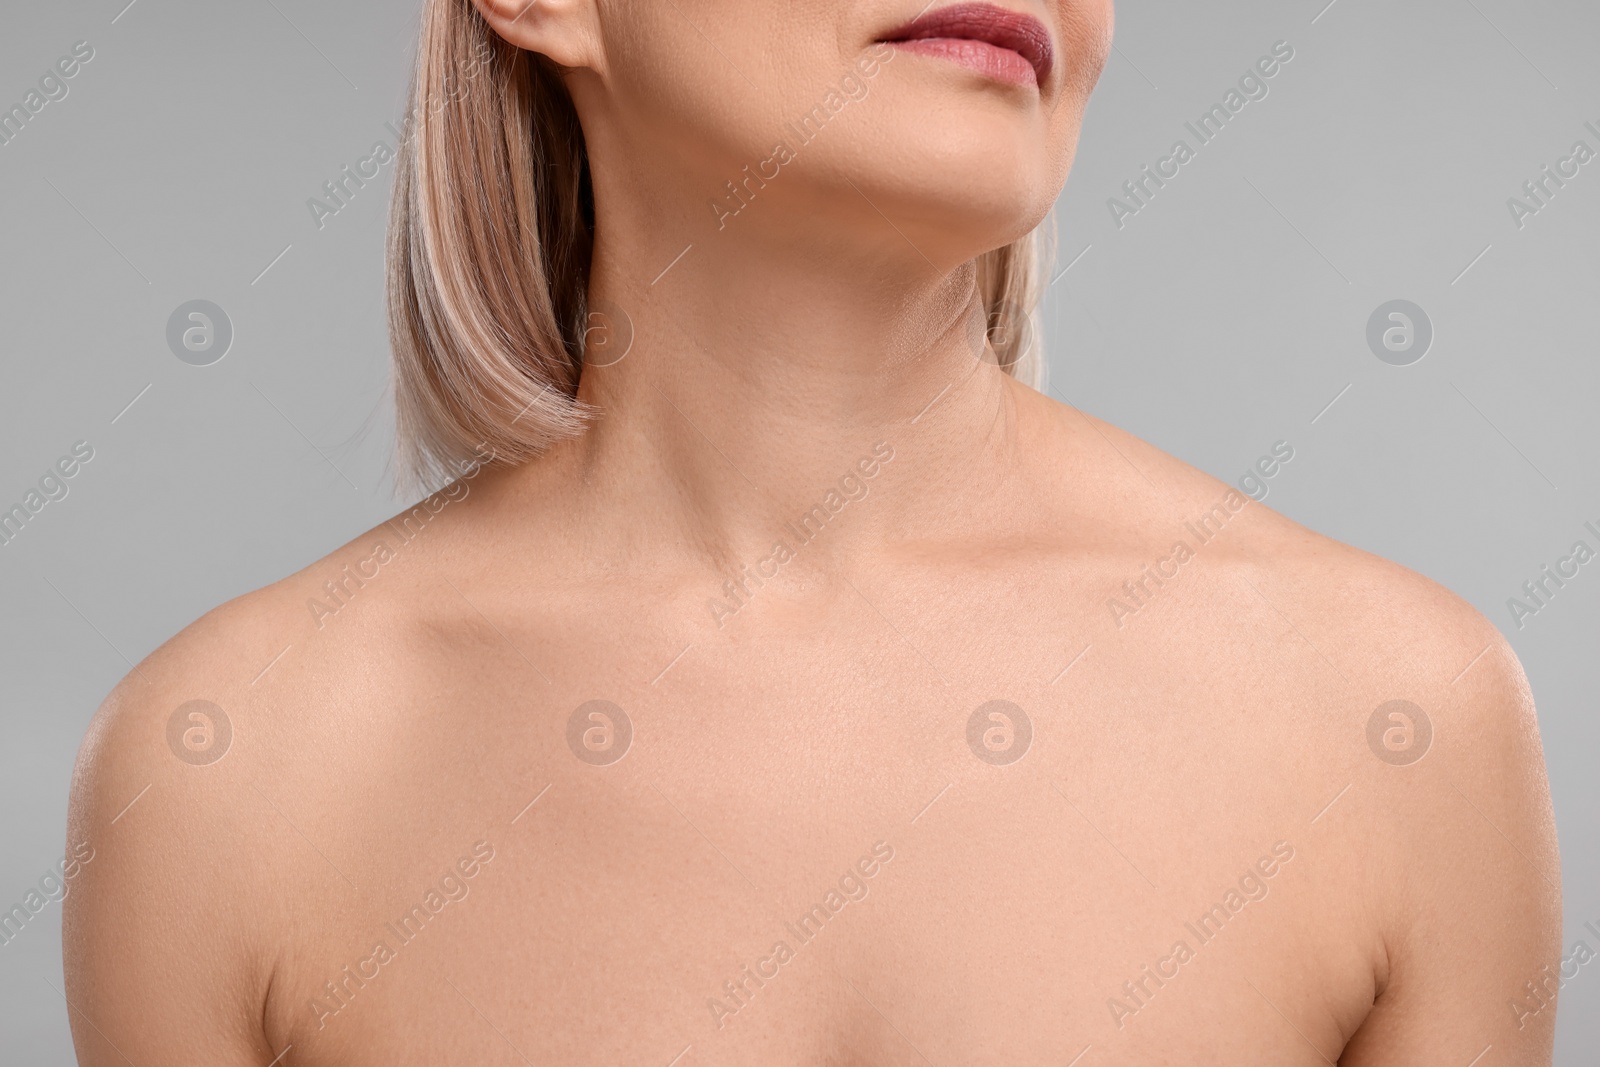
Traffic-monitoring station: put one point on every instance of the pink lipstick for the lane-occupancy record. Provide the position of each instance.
(1006, 45)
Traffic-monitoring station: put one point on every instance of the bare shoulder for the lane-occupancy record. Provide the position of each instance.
(340, 629)
(1415, 724)
(1448, 833)
(243, 657)
(201, 788)
(157, 806)
(1381, 624)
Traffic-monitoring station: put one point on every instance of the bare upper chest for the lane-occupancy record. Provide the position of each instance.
(849, 855)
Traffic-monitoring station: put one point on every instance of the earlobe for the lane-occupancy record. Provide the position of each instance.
(564, 31)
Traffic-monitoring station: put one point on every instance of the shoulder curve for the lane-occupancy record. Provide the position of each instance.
(1383, 621)
(226, 659)
(166, 823)
(1387, 627)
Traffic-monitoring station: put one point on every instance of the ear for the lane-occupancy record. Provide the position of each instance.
(565, 31)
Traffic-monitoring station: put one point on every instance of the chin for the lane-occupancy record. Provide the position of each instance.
(960, 183)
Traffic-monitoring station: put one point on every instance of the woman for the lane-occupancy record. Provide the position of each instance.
(779, 678)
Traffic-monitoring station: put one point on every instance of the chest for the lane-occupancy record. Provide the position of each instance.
(825, 871)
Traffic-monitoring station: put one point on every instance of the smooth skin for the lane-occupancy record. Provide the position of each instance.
(417, 726)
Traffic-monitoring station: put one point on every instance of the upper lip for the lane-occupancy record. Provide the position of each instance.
(1003, 28)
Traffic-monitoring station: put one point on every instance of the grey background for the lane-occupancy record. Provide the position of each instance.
(1225, 316)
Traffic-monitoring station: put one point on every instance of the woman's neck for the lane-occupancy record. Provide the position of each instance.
(756, 382)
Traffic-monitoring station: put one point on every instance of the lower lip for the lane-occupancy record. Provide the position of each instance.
(1001, 64)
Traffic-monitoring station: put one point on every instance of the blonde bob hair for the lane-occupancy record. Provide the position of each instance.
(488, 257)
